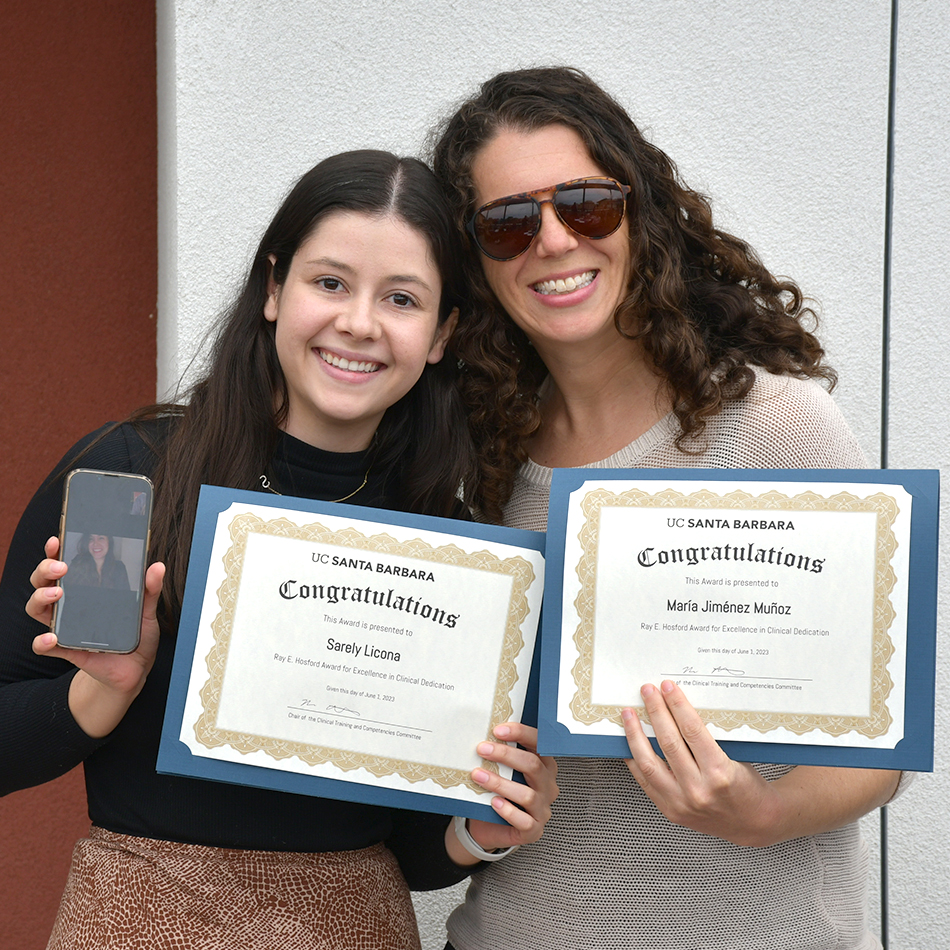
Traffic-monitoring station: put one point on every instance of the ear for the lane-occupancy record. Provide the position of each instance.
(273, 292)
(442, 336)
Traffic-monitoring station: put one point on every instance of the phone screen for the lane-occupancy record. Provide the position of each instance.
(104, 541)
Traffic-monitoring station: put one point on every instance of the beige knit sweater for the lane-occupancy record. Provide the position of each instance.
(610, 871)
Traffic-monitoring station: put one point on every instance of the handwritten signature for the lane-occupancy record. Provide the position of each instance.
(724, 670)
(342, 710)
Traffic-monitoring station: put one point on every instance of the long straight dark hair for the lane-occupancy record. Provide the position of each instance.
(226, 431)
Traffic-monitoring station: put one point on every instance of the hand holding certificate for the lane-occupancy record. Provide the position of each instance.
(695, 784)
(320, 642)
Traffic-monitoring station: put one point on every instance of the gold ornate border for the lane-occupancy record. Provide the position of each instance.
(886, 509)
(247, 523)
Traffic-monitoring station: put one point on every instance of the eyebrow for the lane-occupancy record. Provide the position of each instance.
(409, 279)
(393, 278)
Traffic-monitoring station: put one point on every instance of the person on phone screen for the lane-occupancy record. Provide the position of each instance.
(327, 378)
(612, 325)
(95, 564)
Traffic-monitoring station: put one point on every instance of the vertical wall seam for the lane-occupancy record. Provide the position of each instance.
(886, 372)
(888, 241)
(167, 329)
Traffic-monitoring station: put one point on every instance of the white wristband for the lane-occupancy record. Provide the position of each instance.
(473, 847)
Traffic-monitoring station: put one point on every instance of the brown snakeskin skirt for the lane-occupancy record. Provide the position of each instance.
(127, 893)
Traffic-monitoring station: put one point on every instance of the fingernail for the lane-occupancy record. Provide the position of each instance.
(480, 776)
(497, 803)
(626, 714)
(485, 748)
(667, 686)
(51, 593)
(648, 689)
(502, 731)
(48, 639)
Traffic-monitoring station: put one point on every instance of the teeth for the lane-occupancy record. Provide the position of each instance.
(354, 366)
(565, 286)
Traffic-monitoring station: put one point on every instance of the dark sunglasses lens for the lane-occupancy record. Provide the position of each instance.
(593, 209)
(505, 230)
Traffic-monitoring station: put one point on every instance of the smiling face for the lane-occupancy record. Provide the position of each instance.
(98, 546)
(565, 288)
(356, 322)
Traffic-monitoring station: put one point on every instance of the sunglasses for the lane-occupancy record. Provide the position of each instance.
(591, 207)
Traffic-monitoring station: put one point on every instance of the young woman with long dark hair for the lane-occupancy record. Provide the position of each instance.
(95, 564)
(327, 379)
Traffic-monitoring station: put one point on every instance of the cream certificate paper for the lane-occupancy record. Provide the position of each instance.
(330, 645)
(779, 607)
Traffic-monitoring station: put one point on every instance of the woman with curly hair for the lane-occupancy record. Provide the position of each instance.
(615, 326)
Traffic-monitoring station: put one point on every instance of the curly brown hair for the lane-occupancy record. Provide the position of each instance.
(703, 306)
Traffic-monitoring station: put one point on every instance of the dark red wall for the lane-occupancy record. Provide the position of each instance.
(77, 314)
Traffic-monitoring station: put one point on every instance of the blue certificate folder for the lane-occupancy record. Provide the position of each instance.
(175, 758)
(913, 752)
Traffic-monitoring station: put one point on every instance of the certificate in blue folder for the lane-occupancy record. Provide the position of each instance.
(796, 609)
(348, 652)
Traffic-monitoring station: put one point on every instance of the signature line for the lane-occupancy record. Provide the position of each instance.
(782, 679)
(379, 722)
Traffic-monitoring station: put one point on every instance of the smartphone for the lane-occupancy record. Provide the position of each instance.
(103, 538)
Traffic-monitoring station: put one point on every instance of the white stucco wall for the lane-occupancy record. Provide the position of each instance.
(777, 111)
(919, 404)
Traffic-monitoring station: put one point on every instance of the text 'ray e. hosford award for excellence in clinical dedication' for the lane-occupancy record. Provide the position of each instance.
(797, 610)
(349, 653)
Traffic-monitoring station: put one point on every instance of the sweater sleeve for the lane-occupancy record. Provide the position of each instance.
(39, 739)
(785, 422)
(418, 841)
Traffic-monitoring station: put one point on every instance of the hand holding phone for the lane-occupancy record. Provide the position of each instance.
(107, 683)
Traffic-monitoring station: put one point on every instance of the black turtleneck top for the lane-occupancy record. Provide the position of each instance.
(40, 740)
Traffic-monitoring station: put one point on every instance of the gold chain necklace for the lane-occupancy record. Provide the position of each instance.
(265, 484)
